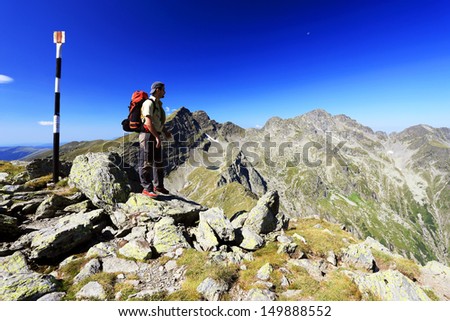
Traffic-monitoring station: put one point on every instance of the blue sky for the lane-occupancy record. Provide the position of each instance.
(384, 63)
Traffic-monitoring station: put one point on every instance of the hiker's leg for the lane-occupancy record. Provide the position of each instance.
(145, 168)
(158, 167)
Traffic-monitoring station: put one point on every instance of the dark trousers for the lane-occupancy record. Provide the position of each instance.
(151, 164)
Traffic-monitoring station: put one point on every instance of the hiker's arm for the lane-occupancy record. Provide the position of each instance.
(149, 126)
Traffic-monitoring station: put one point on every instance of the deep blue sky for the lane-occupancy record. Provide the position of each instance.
(384, 63)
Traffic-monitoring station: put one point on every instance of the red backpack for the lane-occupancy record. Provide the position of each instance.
(134, 123)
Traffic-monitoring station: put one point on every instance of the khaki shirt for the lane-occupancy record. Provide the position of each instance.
(153, 108)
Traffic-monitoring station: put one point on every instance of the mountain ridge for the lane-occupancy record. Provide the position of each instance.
(397, 181)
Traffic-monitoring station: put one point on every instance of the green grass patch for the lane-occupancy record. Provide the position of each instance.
(320, 242)
(196, 271)
(40, 182)
(10, 168)
(267, 254)
(338, 287)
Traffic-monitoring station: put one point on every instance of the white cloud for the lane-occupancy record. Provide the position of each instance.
(45, 123)
(5, 79)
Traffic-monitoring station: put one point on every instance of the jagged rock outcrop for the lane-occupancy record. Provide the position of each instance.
(243, 172)
(100, 177)
(265, 217)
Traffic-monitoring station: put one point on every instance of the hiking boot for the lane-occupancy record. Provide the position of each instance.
(161, 190)
(149, 194)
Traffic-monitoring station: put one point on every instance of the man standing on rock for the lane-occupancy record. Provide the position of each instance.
(151, 164)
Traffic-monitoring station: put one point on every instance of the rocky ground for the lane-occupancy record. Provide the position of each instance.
(90, 237)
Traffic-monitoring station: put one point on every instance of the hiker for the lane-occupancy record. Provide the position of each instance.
(151, 164)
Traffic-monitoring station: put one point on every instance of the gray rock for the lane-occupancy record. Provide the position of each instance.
(100, 178)
(168, 237)
(243, 172)
(264, 272)
(18, 282)
(389, 285)
(331, 258)
(138, 249)
(102, 250)
(49, 207)
(219, 223)
(82, 207)
(205, 237)
(211, 289)
(260, 295)
(436, 276)
(316, 269)
(68, 233)
(92, 290)
(91, 268)
(3, 177)
(288, 248)
(247, 239)
(116, 265)
(183, 211)
(359, 256)
(262, 218)
(41, 167)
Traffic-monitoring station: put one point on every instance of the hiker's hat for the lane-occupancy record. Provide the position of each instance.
(155, 85)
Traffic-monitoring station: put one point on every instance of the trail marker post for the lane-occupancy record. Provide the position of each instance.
(59, 37)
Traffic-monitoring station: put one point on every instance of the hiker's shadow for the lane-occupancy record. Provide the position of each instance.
(172, 197)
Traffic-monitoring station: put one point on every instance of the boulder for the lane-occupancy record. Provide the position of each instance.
(137, 249)
(18, 282)
(219, 223)
(41, 167)
(390, 285)
(205, 236)
(263, 218)
(247, 239)
(316, 269)
(92, 267)
(168, 237)
(260, 295)
(92, 290)
(179, 209)
(49, 207)
(66, 234)
(359, 256)
(436, 276)
(116, 265)
(211, 289)
(100, 178)
(264, 272)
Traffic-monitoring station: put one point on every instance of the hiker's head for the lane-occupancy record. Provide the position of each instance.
(158, 89)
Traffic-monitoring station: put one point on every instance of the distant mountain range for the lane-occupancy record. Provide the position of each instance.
(10, 153)
(394, 188)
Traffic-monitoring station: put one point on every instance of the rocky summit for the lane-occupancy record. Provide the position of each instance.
(317, 207)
